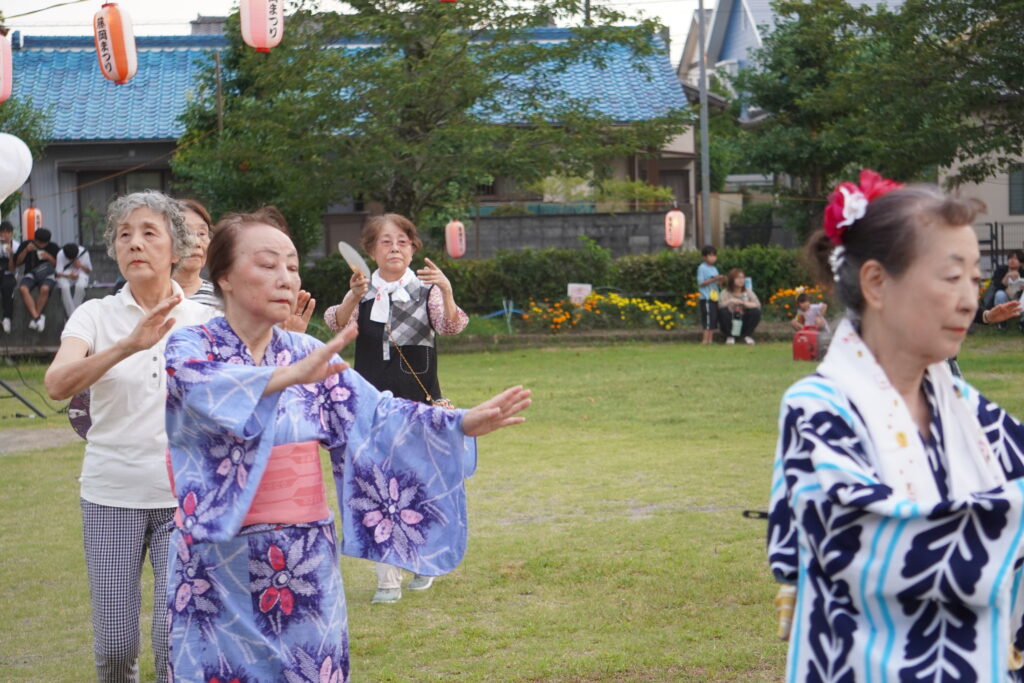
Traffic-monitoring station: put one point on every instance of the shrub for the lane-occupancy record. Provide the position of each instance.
(753, 214)
(510, 210)
(669, 272)
(538, 274)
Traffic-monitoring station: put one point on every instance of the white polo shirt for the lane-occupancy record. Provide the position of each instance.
(125, 451)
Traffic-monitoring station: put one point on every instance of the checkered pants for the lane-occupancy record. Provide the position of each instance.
(116, 540)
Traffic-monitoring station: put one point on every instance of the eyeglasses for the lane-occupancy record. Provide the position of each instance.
(401, 244)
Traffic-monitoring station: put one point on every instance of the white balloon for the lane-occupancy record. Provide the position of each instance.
(15, 164)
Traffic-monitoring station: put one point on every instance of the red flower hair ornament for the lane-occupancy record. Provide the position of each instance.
(848, 202)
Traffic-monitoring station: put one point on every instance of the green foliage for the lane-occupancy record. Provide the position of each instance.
(405, 119)
(771, 268)
(904, 92)
(624, 195)
(32, 125)
(510, 210)
(753, 214)
(538, 274)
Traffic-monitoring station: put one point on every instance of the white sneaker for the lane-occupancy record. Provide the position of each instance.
(41, 323)
(749, 340)
(32, 324)
(7, 325)
(730, 340)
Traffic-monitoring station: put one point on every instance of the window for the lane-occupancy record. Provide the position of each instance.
(1017, 191)
(96, 189)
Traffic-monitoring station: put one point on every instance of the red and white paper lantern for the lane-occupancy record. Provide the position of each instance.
(455, 238)
(5, 68)
(31, 221)
(675, 228)
(115, 43)
(262, 23)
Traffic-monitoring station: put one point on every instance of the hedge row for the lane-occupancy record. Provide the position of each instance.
(480, 284)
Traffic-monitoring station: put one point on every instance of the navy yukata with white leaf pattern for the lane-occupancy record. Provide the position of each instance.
(264, 602)
(889, 590)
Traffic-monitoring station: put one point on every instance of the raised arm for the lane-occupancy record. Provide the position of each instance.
(430, 274)
(315, 367)
(74, 369)
(342, 315)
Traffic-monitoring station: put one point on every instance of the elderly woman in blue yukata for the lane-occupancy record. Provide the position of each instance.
(897, 497)
(254, 591)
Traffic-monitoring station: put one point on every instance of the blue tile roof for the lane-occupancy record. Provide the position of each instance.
(61, 73)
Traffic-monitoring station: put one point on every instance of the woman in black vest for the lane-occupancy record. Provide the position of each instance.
(397, 313)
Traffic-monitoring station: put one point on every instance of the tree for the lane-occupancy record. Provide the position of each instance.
(19, 118)
(905, 92)
(410, 104)
(806, 131)
(974, 47)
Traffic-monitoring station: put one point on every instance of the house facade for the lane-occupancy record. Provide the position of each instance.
(107, 139)
(110, 139)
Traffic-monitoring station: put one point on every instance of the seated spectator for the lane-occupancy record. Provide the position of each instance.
(739, 310)
(1014, 284)
(1008, 281)
(73, 270)
(1007, 285)
(39, 257)
(8, 248)
(808, 314)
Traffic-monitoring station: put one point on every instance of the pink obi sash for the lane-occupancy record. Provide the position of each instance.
(292, 488)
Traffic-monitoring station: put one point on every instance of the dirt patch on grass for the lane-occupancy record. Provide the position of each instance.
(21, 439)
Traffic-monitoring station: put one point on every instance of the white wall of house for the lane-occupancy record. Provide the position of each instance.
(56, 179)
(1003, 195)
(995, 192)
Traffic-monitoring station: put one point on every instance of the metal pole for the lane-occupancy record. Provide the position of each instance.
(220, 94)
(705, 159)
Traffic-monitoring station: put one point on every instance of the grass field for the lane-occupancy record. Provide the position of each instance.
(606, 536)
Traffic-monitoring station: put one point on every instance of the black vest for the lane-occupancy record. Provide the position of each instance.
(413, 330)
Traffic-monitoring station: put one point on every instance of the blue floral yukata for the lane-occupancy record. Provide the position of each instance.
(264, 602)
(889, 589)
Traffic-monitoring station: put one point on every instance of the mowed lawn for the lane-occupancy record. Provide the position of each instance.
(607, 541)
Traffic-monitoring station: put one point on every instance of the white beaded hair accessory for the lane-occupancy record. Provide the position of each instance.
(836, 259)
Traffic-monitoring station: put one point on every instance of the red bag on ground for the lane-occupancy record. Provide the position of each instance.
(805, 344)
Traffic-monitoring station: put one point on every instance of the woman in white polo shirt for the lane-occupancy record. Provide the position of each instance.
(115, 347)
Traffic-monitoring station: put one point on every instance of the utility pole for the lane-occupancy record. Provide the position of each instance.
(705, 161)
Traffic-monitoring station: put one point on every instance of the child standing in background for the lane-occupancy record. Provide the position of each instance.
(708, 279)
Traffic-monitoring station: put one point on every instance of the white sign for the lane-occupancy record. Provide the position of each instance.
(579, 291)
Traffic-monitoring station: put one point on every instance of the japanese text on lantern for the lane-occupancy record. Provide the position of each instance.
(273, 20)
(106, 55)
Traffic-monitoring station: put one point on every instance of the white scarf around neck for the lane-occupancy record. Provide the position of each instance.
(386, 291)
(902, 462)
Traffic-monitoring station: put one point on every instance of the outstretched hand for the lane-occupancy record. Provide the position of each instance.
(153, 326)
(1003, 312)
(318, 365)
(497, 412)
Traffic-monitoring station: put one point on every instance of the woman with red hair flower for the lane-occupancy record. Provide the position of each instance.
(897, 506)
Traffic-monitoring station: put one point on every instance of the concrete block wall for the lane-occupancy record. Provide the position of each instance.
(622, 233)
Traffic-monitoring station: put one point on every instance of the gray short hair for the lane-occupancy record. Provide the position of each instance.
(183, 242)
